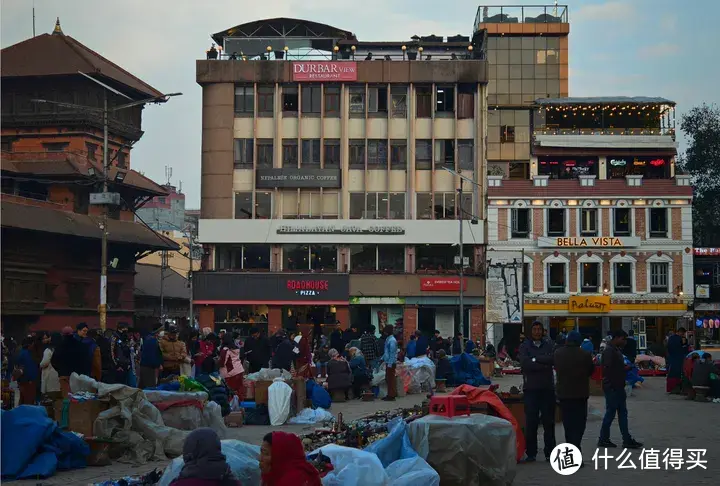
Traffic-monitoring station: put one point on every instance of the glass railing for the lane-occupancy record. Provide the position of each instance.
(519, 14)
(604, 131)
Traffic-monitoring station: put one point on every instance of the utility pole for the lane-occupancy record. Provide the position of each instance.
(102, 308)
(462, 260)
(163, 264)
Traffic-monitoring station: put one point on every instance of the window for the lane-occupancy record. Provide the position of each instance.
(558, 168)
(526, 277)
(377, 154)
(244, 101)
(266, 101)
(76, 293)
(445, 100)
(444, 205)
(243, 205)
(56, 146)
(290, 100)
(376, 205)
(445, 153)
(255, 257)
(91, 150)
(658, 223)
(623, 278)
(357, 101)
(520, 223)
(622, 222)
(373, 258)
(397, 205)
(423, 154)
(263, 205)
(311, 99)
(466, 206)
(244, 153)
(424, 205)
(265, 153)
(466, 160)
(588, 222)
(659, 273)
(556, 283)
(114, 292)
(81, 201)
(357, 154)
(556, 222)
(398, 96)
(289, 152)
(332, 101)
(398, 154)
(332, 153)
(319, 258)
(440, 258)
(121, 162)
(357, 205)
(466, 100)
(423, 100)
(507, 134)
(310, 205)
(590, 277)
(378, 100)
(311, 152)
(363, 258)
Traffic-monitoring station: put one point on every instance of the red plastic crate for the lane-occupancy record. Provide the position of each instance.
(449, 405)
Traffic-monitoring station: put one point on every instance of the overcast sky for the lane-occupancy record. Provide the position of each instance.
(632, 47)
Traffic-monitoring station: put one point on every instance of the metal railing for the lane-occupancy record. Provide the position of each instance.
(521, 14)
(604, 131)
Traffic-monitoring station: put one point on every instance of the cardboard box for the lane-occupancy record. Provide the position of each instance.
(81, 415)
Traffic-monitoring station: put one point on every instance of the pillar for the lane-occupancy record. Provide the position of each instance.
(410, 321)
(274, 319)
(342, 314)
(206, 317)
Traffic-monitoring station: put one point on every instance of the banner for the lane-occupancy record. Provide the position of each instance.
(504, 298)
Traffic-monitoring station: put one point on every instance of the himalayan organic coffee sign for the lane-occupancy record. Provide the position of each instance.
(325, 71)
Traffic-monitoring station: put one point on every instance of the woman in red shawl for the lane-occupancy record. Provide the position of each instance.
(283, 462)
(303, 362)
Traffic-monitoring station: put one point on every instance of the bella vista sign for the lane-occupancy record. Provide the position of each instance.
(589, 305)
(593, 242)
(325, 71)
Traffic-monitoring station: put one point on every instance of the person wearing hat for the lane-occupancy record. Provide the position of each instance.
(173, 351)
(574, 367)
(151, 360)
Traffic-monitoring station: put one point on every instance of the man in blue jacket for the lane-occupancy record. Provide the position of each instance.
(536, 360)
(150, 360)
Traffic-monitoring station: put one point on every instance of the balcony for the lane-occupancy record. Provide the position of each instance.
(522, 14)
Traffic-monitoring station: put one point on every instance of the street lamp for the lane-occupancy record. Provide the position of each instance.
(105, 198)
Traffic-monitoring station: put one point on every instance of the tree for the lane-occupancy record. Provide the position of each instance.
(701, 160)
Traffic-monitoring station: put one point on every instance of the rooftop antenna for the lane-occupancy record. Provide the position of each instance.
(180, 187)
(555, 10)
(33, 18)
(168, 174)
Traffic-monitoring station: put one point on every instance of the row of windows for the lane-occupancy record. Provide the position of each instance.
(623, 278)
(370, 205)
(557, 223)
(363, 258)
(371, 153)
(311, 100)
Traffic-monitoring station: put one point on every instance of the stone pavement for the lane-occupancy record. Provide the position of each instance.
(658, 420)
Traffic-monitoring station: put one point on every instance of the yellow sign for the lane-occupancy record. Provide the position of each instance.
(593, 242)
(589, 305)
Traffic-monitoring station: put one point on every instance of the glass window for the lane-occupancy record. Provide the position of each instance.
(520, 223)
(331, 205)
(588, 222)
(332, 101)
(357, 154)
(423, 154)
(445, 205)
(263, 205)
(266, 101)
(556, 278)
(391, 258)
(377, 156)
(373, 208)
(526, 277)
(290, 100)
(363, 258)
(555, 222)
(311, 98)
(435, 258)
(445, 153)
(377, 100)
(622, 224)
(466, 160)
(264, 153)
(323, 258)
(466, 100)
(590, 277)
(399, 101)
(244, 153)
(623, 278)
(567, 168)
(444, 99)
(296, 257)
(424, 205)
(244, 100)
(507, 134)
(256, 257)
(373, 258)
(243, 205)
(289, 152)
(357, 100)
(332, 153)
(659, 273)
(398, 154)
(311, 152)
(310, 205)
(357, 205)
(397, 205)
(423, 100)
(658, 223)
(519, 170)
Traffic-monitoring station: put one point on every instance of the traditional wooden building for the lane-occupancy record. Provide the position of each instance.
(51, 163)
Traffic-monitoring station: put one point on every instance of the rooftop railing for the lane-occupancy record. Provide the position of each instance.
(519, 14)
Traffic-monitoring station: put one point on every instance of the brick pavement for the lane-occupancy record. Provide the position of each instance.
(658, 420)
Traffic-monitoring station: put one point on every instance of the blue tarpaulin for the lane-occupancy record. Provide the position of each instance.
(34, 447)
(466, 369)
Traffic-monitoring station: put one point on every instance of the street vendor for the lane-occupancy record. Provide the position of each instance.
(283, 462)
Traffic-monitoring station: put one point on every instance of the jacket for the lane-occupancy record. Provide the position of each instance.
(368, 346)
(538, 374)
(360, 372)
(321, 356)
(173, 353)
(410, 349)
(69, 357)
(284, 355)
(336, 341)
(339, 376)
(588, 346)
(389, 357)
(457, 346)
(613, 368)
(257, 351)
(31, 371)
(150, 355)
(701, 373)
(444, 370)
(106, 359)
(422, 347)
(574, 367)
(630, 349)
(230, 362)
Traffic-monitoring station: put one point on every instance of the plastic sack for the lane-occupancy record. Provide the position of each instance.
(168, 396)
(422, 374)
(235, 404)
(318, 394)
(279, 394)
(414, 471)
(268, 374)
(242, 458)
(353, 467)
(310, 416)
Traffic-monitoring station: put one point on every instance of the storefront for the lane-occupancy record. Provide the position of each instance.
(239, 301)
(618, 167)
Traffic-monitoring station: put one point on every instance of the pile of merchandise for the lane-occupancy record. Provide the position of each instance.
(146, 480)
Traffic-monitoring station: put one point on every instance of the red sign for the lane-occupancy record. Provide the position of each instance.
(325, 71)
(442, 284)
(308, 285)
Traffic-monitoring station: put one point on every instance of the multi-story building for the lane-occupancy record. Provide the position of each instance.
(51, 163)
(166, 212)
(707, 298)
(604, 220)
(324, 193)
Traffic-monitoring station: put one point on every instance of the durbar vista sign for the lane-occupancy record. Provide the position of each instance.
(589, 242)
(324, 71)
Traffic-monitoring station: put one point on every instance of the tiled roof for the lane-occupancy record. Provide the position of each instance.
(602, 188)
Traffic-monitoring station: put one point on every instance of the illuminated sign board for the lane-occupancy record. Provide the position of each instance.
(589, 305)
(325, 71)
(332, 229)
(594, 242)
(618, 162)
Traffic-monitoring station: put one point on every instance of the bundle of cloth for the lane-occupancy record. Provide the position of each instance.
(217, 390)
(466, 371)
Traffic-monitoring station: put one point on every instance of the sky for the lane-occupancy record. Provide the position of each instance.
(632, 47)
